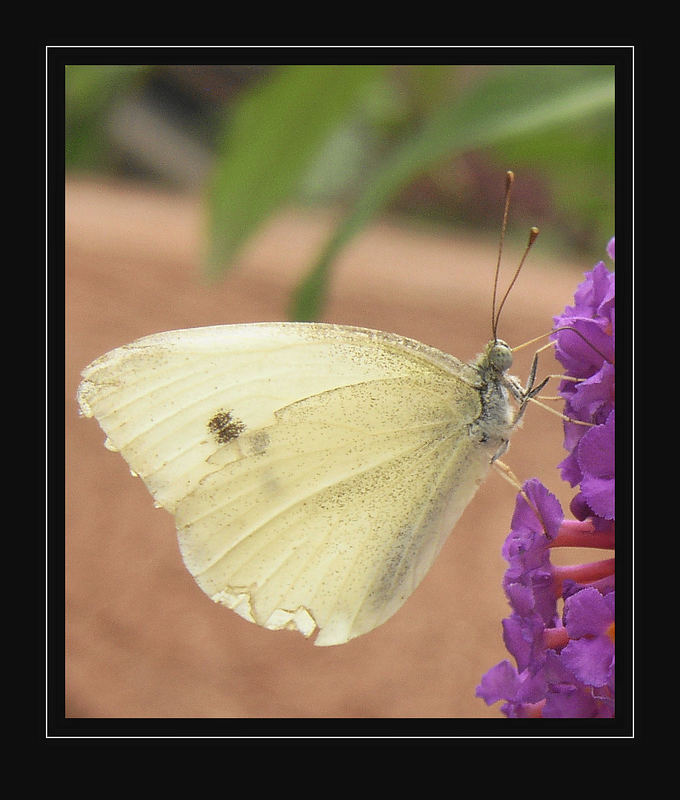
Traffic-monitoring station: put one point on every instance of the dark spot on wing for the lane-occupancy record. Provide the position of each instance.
(225, 427)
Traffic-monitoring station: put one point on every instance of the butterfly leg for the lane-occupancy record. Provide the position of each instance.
(530, 391)
(505, 471)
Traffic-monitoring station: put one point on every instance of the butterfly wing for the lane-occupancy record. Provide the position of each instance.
(314, 471)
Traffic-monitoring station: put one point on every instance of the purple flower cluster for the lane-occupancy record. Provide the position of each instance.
(588, 355)
(561, 629)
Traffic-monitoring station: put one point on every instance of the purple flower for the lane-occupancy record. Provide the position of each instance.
(610, 248)
(589, 620)
(528, 581)
(565, 661)
(587, 355)
(566, 697)
(595, 456)
(521, 690)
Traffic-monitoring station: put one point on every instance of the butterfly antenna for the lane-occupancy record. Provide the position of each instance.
(509, 179)
(533, 234)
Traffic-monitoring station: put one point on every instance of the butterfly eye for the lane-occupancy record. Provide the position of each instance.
(500, 355)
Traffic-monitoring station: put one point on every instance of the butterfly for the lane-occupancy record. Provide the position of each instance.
(314, 471)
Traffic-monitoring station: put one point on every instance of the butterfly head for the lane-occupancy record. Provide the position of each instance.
(498, 355)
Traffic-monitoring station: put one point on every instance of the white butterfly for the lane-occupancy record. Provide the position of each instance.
(314, 471)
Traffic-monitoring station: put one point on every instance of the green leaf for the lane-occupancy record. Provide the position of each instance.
(274, 135)
(512, 103)
(89, 89)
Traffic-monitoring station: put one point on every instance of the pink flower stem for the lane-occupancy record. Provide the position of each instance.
(555, 638)
(582, 573)
(573, 533)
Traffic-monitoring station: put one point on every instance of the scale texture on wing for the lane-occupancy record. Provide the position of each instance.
(310, 468)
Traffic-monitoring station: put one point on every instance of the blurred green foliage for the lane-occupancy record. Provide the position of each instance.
(372, 138)
(90, 89)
